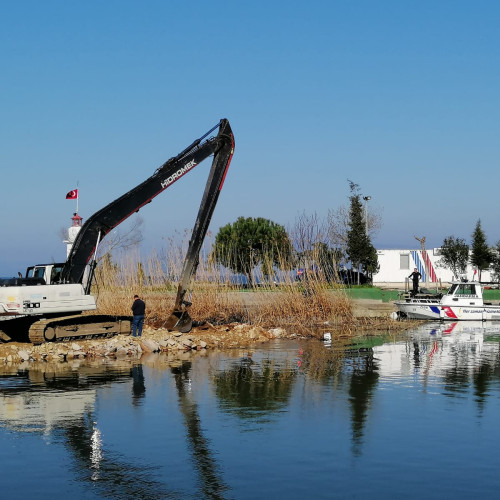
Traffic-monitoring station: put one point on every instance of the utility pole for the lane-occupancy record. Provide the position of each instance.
(367, 199)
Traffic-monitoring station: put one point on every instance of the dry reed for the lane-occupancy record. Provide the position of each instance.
(307, 307)
(290, 305)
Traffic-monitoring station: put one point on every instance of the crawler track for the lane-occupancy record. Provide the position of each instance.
(77, 328)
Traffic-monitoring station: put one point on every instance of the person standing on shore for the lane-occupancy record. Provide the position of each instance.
(415, 276)
(138, 311)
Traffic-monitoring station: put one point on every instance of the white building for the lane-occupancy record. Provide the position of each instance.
(397, 265)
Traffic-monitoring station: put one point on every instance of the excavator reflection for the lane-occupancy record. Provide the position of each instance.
(212, 484)
(60, 400)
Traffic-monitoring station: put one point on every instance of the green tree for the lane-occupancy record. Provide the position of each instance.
(481, 254)
(359, 247)
(495, 263)
(454, 255)
(370, 262)
(250, 242)
(328, 259)
(322, 257)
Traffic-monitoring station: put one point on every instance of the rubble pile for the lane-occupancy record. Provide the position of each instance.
(234, 335)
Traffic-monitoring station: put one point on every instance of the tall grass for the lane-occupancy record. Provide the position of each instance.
(299, 305)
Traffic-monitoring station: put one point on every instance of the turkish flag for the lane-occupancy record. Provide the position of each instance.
(72, 195)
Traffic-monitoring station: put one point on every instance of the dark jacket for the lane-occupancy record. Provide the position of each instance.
(415, 276)
(138, 307)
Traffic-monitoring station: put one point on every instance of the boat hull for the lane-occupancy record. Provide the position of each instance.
(471, 313)
(419, 309)
(438, 311)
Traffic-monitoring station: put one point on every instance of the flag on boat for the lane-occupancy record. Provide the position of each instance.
(72, 195)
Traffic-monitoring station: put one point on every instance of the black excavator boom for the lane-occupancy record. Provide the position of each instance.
(103, 221)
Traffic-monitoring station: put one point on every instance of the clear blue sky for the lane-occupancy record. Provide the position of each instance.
(401, 97)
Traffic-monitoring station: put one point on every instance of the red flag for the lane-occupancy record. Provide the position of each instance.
(72, 195)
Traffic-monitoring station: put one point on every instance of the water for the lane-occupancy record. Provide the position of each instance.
(415, 416)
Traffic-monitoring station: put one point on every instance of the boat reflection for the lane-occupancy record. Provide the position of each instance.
(456, 357)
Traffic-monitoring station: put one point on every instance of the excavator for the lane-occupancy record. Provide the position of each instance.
(47, 304)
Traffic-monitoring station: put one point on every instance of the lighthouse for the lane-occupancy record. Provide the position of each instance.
(72, 232)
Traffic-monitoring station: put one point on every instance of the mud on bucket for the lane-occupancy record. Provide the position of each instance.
(179, 321)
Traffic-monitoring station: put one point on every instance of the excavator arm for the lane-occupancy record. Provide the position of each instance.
(104, 220)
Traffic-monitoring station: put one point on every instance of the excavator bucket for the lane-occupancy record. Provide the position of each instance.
(179, 321)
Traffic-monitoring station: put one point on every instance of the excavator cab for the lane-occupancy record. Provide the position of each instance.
(50, 273)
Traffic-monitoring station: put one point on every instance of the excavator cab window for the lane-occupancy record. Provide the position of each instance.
(55, 274)
(39, 272)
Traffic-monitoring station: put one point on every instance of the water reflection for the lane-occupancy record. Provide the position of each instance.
(138, 385)
(210, 476)
(224, 397)
(254, 388)
(58, 401)
(43, 396)
(364, 378)
(463, 354)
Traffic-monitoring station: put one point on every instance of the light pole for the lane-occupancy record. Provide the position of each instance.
(367, 199)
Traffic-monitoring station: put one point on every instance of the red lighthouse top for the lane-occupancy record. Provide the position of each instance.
(77, 220)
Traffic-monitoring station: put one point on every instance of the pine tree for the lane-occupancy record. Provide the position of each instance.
(481, 255)
(360, 250)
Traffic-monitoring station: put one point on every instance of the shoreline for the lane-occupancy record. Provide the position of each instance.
(369, 317)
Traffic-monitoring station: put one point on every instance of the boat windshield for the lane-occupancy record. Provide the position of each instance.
(463, 289)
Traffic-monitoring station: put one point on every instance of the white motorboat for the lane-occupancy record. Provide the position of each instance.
(463, 302)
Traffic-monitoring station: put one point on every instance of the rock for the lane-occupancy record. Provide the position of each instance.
(206, 326)
(238, 327)
(187, 343)
(256, 333)
(122, 352)
(76, 347)
(24, 355)
(277, 333)
(62, 350)
(149, 345)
